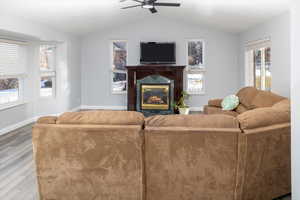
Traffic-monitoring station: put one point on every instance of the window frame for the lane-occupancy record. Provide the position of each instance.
(190, 92)
(20, 101)
(112, 70)
(201, 70)
(20, 76)
(250, 63)
(49, 73)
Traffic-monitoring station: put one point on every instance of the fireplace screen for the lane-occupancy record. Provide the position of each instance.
(155, 97)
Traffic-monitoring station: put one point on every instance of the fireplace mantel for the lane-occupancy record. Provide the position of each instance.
(136, 73)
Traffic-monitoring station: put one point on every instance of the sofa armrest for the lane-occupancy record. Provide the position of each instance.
(47, 120)
(262, 117)
(215, 102)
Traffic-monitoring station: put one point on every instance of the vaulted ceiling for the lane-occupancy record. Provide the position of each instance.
(84, 16)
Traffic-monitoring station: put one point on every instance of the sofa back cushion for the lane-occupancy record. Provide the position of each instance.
(265, 99)
(102, 118)
(246, 96)
(195, 121)
(252, 98)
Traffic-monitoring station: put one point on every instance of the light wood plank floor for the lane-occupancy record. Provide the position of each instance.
(17, 171)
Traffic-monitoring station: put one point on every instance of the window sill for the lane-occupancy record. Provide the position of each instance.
(119, 93)
(47, 98)
(196, 93)
(12, 105)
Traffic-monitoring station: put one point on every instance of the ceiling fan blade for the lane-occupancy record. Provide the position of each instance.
(167, 4)
(138, 1)
(153, 10)
(131, 6)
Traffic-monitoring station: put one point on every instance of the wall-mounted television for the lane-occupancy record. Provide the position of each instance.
(158, 53)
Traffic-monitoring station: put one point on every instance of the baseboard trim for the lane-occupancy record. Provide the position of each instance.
(29, 121)
(86, 107)
(16, 126)
(197, 109)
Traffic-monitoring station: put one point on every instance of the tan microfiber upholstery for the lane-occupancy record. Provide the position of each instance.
(215, 102)
(264, 167)
(262, 117)
(265, 99)
(102, 117)
(284, 105)
(246, 96)
(79, 162)
(241, 109)
(215, 110)
(264, 163)
(185, 161)
(47, 120)
(202, 121)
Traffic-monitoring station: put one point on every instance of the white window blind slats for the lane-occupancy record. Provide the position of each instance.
(258, 44)
(48, 73)
(12, 59)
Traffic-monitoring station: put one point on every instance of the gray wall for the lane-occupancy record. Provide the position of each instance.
(278, 29)
(68, 90)
(295, 84)
(222, 76)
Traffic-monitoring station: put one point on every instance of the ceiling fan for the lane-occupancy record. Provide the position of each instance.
(150, 4)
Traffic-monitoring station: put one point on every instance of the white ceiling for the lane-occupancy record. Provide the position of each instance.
(84, 16)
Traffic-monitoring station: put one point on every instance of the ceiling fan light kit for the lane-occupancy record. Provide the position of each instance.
(147, 6)
(150, 5)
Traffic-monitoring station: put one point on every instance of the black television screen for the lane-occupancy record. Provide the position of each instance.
(155, 53)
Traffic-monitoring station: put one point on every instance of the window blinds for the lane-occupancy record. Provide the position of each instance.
(12, 58)
(263, 43)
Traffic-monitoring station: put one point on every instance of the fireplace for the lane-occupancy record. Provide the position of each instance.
(155, 95)
(152, 89)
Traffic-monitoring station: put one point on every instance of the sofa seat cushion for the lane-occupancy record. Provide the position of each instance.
(102, 118)
(262, 117)
(194, 121)
(216, 110)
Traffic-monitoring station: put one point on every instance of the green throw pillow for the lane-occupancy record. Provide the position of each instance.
(230, 102)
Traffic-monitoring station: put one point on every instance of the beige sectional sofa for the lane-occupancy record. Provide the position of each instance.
(119, 155)
(90, 156)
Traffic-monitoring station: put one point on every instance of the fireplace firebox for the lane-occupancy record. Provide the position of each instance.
(155, 95)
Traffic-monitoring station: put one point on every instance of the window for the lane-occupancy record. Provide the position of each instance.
(258, 65)
(195, 69)
(195, 82)
(47, 70)
(12, 72)
(119, 62)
